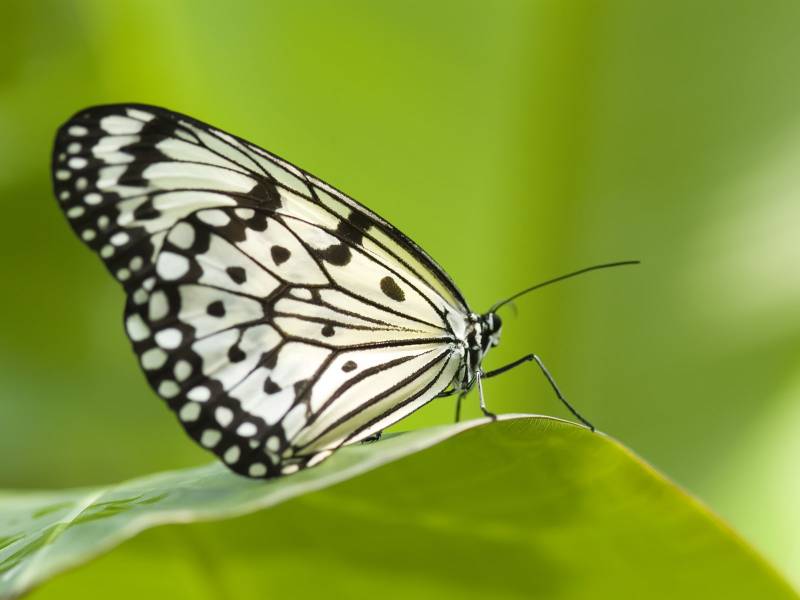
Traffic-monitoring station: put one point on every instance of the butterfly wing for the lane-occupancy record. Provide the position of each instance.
(278, 317)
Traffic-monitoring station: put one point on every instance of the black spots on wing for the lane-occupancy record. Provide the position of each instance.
(279, 254)
(347, 231)
(258, 222)
(267, 194)
(216, 309)
(360, 220)
(327, 330)
(301, 389)
(391, 289)
(270, 387)
(237, 274)
(270, 359)
(146, 212)
(351, 231)
(235, 354)
(349, 366)
(338, 254)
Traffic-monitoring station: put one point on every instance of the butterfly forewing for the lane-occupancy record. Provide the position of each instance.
(279, 318)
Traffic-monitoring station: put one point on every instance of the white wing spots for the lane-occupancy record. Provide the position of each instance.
(123, 274)
(73, 148)
(63, 174)
(77, 162)
(137, 262)
(81, 183)
(158, 306)
(168, 389)
(257, 470)
(140, 114)
(210, 438)
(77, 130)
(169, 338)
(214, 217)
(120, 238)
(172, 175)
(223, 416)
(182, 235)
(273, 443)
(153, 359)
(75, 212)
(93, 199)
(140, 296)
(64, 195)
(88, 235)
(171, 266)
(232, 455)
(136, 328)
(199, 393)
(189, 412)
(246, 429)
(245, 213)
(119, 125)
(182, 370)
(107, 251)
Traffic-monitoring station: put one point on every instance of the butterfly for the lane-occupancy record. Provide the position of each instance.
(278, 318)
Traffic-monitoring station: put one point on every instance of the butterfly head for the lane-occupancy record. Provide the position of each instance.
(492, 326)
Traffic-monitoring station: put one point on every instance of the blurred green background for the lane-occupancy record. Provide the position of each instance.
(514, 141)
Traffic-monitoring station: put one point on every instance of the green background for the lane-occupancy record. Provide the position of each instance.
(514, 141)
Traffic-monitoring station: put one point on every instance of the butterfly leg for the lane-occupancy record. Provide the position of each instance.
(486, 411)
(458, 405)
(553, 384)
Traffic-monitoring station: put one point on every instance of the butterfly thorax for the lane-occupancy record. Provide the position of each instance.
(483, 333)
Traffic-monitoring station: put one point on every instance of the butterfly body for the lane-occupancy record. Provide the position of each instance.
(279, 318)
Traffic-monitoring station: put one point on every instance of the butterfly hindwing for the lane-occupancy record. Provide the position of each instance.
(277, 317)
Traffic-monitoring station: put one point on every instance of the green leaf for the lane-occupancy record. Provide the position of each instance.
(518, 508)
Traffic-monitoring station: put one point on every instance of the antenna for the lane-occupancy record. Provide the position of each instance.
(621, 263)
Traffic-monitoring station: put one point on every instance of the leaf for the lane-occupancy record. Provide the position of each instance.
(521, 507)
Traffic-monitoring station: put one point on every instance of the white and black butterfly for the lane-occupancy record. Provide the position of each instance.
(279, 318)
